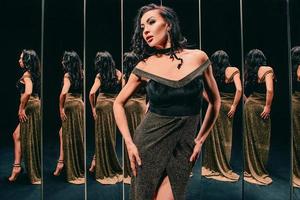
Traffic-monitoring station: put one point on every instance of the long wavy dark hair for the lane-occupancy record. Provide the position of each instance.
(73, 66)
(254, 59)
(295, 55)
(139, 45)
(32, 64)
(129, 62)
(219, 61)
(106, 68)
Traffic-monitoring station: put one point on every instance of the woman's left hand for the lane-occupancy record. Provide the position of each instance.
(196, 151)
(266, 112)
(22, 115)
(231, 112)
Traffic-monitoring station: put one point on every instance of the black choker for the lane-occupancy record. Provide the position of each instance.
(166, 51)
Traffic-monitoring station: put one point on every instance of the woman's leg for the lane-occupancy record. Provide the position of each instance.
(93, 164)
(17, 155)
(164, 191)
(60, 162)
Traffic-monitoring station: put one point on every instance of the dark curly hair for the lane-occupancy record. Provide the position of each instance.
(295, 55)
(141, 48)
(129, 62)
(106, 68)
(32, 64)
(254, 59)
(219, 61)
(73, 66)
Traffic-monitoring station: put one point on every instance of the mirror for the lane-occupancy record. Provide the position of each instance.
(222, 162)
(266, 132)
(295, 74)
(63, 149)
(104, 81)
(20, 144)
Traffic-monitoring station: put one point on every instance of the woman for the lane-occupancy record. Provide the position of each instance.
(257, 125)
(105, 163)
(295, 54)
(27, 135)
(217, 149)
(135, 108)
(164, 147)
(71, 112)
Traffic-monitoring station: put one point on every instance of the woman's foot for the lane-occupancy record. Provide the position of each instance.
(78, 181)
(93, 165)
(16, 171)
(59, 168)
(36, 182)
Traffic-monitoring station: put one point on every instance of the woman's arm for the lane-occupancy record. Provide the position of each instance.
(269, 95)
(92, 95)
(214, 103)
(121, 120)
(237, 96)
(62, 97)
(25, 97)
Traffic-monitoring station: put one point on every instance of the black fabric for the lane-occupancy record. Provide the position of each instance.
(183, 101)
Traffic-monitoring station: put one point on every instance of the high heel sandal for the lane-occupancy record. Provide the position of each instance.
(93, 165)
(16, 174)
(59, 167)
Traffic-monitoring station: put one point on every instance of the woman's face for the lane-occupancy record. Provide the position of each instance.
(21, 63)
(155, 29)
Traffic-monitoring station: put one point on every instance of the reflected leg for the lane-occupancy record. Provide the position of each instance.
(60, 162)
(16, 170)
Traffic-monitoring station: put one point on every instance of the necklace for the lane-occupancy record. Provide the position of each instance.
(167, 51)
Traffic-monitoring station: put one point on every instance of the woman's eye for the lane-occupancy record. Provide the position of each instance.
(151, 21)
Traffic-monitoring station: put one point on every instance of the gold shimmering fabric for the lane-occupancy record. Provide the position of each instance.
(30, 133)
(217, 147)
(257, 133)
(73, 137)
(108, 169)
(135, 109)
(296, 138)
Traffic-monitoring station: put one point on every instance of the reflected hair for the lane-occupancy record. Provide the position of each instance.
(254, 59)
(219, 61)
(139, 45)
(32, 64)
(106, 68)
(295, 55)
(129, 61)
(73, 66)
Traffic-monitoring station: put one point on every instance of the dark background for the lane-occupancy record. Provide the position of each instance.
(63, 31)
(20, 23)
(220, 30)
(265, 28)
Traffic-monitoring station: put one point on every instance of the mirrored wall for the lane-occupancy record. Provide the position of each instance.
(64, 63)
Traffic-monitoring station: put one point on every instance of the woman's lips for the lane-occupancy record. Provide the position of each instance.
(149, 38)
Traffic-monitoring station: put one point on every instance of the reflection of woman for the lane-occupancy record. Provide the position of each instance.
(296, 114)
(164, 146)
(257, 124)
(135, 107)
(217, 148)
(27, 141)
(105, 163)
(71, 112)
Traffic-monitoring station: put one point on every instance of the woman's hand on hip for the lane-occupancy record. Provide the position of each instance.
(266, 112)
(63, 115)
(22, 115)
(134, 158)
